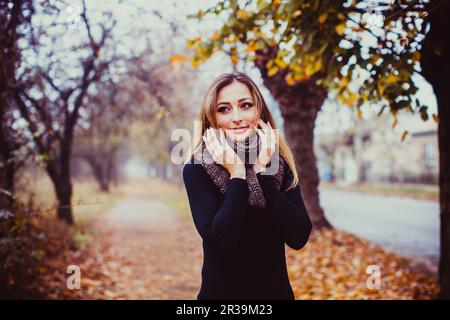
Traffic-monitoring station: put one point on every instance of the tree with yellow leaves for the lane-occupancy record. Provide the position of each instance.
(308, 49)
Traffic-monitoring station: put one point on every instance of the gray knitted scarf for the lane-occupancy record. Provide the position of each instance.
(247, 150)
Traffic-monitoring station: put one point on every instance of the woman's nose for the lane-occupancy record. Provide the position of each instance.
(237, 115)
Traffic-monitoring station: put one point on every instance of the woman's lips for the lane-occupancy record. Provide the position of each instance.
(240, 130)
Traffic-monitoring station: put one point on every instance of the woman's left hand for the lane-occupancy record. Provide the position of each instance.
(268, 145)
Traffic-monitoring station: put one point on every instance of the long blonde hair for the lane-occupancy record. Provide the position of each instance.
(207, 116)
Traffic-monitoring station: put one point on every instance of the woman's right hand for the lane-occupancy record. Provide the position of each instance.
(223, 154)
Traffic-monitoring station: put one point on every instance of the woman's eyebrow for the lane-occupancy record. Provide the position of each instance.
(225, 102)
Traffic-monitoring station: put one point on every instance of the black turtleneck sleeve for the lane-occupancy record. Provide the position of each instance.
(288, 209)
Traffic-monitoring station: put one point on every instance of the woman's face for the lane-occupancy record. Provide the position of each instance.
(236, 112)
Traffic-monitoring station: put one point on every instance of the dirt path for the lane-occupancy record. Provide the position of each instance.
(156, 253)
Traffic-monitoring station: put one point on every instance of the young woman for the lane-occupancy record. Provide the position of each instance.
(244, 212)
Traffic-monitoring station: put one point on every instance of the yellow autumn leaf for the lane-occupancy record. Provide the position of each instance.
(351, 99)
(192, 42)
(269, 64)
(242, 14)
(435, 118)
(415, 56)
(300, 76)
(194, 63)
(272, 71)
(344, 81)
(215, 36)
(316, 66)
(340, 28)
(251, 47)
(360, 115)
(296, 67)
(289, 79)
(357, 29)
(234, 59)
(391, 78)
(323, 17)
(380, 89)
(281, 63)
(177, 58)
(231, 39)
(375, 59)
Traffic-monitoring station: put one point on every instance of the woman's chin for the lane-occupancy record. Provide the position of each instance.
(238, 137)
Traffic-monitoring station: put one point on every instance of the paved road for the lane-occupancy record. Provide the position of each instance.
(403, 225)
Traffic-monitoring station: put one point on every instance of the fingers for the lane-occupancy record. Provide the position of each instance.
(263, 124)
(266, 126)
(215, 141)
(207, 140)
(260, 133)
(212, 144)
(266, 133)
(209, 136)
(205, 137)
(222, 136)
(213, 135)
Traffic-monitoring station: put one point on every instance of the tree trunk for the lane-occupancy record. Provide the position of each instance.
(64, 199)
(110, 168)
(58, 168)
(358, 149)
(161, 171)
(176, 174)
(7, 174)
(8, 169)
(7, 148)
(99, 169)
(436, 69)
(63, 190)
(299, 105)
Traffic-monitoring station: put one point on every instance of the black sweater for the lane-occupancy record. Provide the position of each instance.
(243, 246)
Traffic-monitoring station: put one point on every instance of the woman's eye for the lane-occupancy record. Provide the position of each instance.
(246, 105)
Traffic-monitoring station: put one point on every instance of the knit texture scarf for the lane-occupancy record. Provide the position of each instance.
(247, 150)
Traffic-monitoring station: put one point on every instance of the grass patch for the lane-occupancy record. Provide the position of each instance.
(89, 202)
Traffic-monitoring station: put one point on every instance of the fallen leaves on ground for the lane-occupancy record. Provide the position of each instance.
(333, 265)
(126, 255)
(129, 260)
